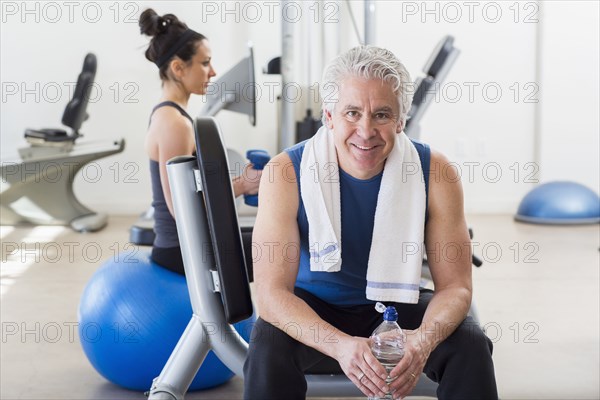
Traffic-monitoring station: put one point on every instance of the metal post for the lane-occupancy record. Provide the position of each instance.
(287, 124)
(370, 22)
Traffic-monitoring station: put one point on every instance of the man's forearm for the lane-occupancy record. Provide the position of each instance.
(292, 315)
(446, 310)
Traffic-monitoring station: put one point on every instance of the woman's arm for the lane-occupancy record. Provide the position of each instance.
(248, 182)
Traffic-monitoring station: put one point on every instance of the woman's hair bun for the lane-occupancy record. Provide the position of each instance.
(152, 24)
(166, 33)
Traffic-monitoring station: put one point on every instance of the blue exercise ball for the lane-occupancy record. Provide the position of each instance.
(132, 314)
(560, 203)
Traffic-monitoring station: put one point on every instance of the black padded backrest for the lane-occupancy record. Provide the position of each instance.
(424, 89)
(440, 56)
(75, 112)
(435, 69)
(222, 221)
(424, 93)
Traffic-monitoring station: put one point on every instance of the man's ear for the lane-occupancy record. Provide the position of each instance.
(328, 119)
(399, 127)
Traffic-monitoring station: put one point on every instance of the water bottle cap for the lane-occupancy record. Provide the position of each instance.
(390, 314)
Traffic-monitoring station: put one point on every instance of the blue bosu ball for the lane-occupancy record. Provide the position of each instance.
(560, 203)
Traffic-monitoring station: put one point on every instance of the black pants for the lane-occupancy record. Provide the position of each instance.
(169, 258)
(276, 363)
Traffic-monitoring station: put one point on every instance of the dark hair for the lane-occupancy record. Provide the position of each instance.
(165, 32)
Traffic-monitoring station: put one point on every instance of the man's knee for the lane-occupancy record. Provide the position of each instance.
(269, 345)
(468, 341)
(271, 370)
(466, 351)
(462, 364)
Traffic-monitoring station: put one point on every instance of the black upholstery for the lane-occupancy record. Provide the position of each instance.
(427, 87)
(49, 135)
(75, 111)
(274, 67)
(247, 243)
(441, 54)
(222, 221)
(424, 88)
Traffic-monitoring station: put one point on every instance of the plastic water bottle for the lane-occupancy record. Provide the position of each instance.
(387, 342)
(259, 158)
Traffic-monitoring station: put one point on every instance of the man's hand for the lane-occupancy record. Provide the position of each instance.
(363, 369)
(408, 371)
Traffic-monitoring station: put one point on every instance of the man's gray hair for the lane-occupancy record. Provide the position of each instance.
(369, 62)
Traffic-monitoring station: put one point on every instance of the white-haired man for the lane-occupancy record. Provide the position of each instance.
(342, 222)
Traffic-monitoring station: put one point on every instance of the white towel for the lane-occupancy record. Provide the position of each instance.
(396, 254)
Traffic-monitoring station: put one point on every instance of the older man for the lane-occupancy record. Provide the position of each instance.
(342, 222)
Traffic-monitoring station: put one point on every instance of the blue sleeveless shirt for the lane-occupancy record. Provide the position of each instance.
(358, 202)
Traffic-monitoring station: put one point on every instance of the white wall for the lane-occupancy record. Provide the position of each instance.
(569, 123)
(42, 50)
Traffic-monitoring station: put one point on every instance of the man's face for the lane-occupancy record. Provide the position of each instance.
(365, 122)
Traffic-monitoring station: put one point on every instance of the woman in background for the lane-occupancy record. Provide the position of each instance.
(183, 57)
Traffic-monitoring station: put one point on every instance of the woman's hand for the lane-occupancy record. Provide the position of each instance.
(248, 182)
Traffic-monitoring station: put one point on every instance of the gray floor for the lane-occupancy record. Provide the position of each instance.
(537, 295)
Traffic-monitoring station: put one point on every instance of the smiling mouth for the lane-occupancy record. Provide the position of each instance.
(363, 148)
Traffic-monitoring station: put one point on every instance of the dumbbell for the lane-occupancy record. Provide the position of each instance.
(258, 158)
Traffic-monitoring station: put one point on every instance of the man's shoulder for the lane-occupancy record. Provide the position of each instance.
(420, 146)
(295, 151)
(297, 146)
